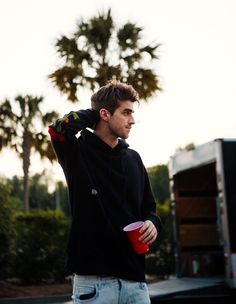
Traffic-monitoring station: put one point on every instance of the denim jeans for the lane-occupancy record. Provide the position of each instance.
(108, 290)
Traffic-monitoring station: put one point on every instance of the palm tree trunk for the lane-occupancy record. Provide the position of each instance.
(26, 164)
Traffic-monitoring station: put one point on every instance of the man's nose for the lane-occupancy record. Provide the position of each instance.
(132, 120)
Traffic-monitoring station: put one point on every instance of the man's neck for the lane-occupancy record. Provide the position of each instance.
(106, 137)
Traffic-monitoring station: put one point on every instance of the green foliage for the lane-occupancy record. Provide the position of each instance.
(32, 245)
(160, 261)
(7, 231)
(188, 147)
(62, 199)
(21, 125)
(98, 51)
(41, 241)
(18, 128)
(159, 179)
(15, 185)
(39, 195)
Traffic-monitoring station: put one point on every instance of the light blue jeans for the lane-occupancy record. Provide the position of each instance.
(108, 290)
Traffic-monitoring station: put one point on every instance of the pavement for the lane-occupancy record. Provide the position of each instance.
(60, 299)
(167, 289)
(182, 285)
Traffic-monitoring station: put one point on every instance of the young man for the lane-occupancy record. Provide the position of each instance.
(108, 189)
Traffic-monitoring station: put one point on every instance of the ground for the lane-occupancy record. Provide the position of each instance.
(10, 290)
(13, 290)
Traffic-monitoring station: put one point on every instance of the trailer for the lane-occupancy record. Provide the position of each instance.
(203, 201)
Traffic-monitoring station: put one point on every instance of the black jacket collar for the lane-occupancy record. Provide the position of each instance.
(95, 141)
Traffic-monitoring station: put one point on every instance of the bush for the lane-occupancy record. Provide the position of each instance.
(7, 232)
(160, 260)
(41, 244)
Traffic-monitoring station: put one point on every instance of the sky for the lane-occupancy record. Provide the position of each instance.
(196, 68)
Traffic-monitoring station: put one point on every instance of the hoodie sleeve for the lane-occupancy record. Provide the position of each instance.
(70, 124)
(63, 131)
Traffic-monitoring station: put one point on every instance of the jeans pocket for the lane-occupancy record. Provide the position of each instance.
(84, 293)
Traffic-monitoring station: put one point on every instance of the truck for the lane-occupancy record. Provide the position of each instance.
(203, 204)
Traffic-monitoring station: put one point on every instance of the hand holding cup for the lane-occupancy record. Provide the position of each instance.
(133, 231)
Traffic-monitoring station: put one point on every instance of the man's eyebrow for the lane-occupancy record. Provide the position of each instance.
(128, 110)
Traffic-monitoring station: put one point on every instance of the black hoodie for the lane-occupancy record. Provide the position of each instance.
(108, 189)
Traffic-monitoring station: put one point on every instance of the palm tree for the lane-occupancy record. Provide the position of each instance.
(98, 51)
(19, 122)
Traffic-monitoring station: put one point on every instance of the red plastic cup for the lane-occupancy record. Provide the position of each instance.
(133, 234)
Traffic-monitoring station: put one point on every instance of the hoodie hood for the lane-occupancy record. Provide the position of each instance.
(91, 138)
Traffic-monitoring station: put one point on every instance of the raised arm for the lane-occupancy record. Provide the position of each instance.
(70, 124)
(63, 132)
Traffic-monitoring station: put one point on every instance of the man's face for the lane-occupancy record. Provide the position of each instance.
(121, 121)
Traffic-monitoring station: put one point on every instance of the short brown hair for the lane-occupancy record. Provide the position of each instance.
(111, 94)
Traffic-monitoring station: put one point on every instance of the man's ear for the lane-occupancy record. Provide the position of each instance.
(105, 114)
